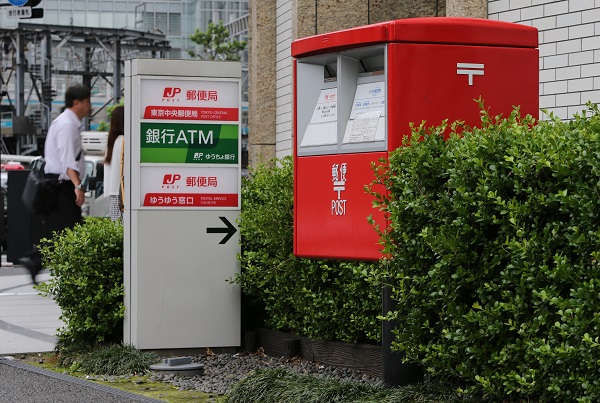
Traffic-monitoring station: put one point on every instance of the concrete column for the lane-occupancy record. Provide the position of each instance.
(467, 8)
(321, 16)
(261, 91)
(387, 10)
(304, 21)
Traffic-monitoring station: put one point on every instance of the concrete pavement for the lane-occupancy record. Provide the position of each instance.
(24, 383)
(28, 321)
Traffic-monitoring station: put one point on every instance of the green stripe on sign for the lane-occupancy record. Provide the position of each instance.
(229, 132)
(163, 155)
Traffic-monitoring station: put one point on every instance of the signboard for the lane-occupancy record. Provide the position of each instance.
(186, 186)
(18, 12)
(23, 9)
(18, 3)
(182, 203)
(189, 143)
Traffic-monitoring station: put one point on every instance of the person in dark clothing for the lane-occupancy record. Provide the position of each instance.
(64, 156)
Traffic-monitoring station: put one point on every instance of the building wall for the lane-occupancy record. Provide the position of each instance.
(467, 8)
(569, 48)
(569, 35)
(262, 77)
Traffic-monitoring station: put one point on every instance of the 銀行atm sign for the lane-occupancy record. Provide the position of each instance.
(189, 142)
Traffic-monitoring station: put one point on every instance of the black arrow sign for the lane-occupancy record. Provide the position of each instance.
(230, 230)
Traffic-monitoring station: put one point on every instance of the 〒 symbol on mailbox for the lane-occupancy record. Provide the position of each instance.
(470, 69)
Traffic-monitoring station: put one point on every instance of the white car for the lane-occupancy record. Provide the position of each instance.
(96, 202)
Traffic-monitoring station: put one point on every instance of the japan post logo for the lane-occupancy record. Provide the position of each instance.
(170, 92)
(170, 179)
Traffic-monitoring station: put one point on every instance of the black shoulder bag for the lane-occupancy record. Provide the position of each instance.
(41, 191)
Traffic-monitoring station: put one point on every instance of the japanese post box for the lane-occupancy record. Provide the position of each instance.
(357, 91)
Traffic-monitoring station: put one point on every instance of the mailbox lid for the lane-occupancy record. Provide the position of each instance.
(338, 40)
(438, 30)
(462, 31)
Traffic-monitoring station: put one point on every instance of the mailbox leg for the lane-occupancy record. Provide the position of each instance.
(395, 372)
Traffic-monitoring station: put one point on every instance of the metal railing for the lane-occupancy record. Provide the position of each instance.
(237, 27)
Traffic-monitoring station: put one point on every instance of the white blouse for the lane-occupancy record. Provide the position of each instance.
(112, 172)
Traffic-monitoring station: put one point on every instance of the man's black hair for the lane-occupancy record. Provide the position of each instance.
(76, 92)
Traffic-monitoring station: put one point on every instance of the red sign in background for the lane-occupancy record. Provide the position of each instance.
(190, 200)
(190, 113)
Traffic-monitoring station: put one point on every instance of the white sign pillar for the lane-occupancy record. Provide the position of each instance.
(182, 202)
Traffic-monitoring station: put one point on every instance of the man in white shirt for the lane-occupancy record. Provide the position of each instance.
(64, 157)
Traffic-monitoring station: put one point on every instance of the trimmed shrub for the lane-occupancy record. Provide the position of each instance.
(494, 255)
(86, 263)
(321, 299)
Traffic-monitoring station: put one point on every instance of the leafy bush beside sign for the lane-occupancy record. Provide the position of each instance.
(320, 299)
(86, 263)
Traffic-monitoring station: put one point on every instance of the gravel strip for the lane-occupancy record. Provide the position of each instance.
(221, 371)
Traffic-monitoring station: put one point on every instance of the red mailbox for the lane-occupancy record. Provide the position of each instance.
(356, 92)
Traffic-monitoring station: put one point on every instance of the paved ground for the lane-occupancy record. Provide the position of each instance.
(28, 323)
(26, 384)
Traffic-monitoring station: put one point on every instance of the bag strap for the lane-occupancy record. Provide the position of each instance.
(122, 173)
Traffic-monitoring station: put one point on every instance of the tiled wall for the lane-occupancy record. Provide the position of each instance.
(283, 91)
(569, 36)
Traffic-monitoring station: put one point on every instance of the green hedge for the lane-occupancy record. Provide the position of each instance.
(494, 249)
(327, 300)
(86, 264)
